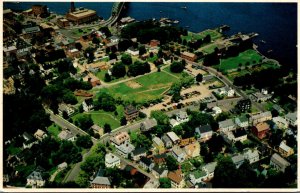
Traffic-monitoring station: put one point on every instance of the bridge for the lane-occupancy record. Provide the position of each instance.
(115, 14)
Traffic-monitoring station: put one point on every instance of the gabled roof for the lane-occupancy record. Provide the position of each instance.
(146, 161)
(65, 135)
(239, 132)
(111, 158)
(285, 147)
(203, 129)
(261, 115)
(292, 116)
(278, 160)
(177, 150)
(158, 141)
(159, 169)
(175, 176)
(149, 123)
(226, 123)
(130, 109)
(173, 136)
(262, 127)
(210, 167)
(101, 181)
(35, 176)
(139, 151)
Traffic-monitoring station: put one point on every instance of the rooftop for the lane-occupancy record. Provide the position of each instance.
(262, 126)
(203, 129)
(226, 123)
(175, 176)
(292, 116)
(277, 159)
(101, 181)
(189, 54)
(173, 136)
(111, 158)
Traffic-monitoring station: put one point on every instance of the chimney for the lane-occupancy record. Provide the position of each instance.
(72, 8)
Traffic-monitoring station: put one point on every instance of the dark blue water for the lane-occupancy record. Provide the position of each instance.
(276, 23)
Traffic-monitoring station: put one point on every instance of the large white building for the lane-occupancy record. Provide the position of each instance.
(112, 160)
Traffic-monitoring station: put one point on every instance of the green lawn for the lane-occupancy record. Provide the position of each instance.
(101, 75)
(101, 117)
(191, 36)
(214, 34)
(210, 49)
(152, 59)
(243, 58)
(152, 86)
(54, 130)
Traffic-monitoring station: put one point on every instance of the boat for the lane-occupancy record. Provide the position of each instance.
(263, 41)
(270, 51)
(183, 7)
(187, 26)
(175, 21)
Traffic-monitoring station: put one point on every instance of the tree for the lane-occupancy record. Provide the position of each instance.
(126, 59)
(89, 54)
(176, 97)
(160, 117)
(105, 102)
(142, 115)
(164, 183)
(118, 70)
(123, 121)
(171, 163)
(142, 141)
(203, 106)
(224, 174)
(84, 141)
(107, 128)
(199, 77)
(78, 46)
(138, 68)
(105, 30)
(142, 50)
(222, 116)
(96, 41)
(107, 77)
(85, 121)
(176, 67)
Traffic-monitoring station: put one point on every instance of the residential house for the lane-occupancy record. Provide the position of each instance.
(97, 66)
(227, 91)
(66, 135)
(159, 158)
(178, 154)
(101, 182)
(204, 132)
(182, 117)
(227, 125)
(35, 180)
(120, 138)
(131, 113)
(285, 150)
(260, 97)
(291, 118)
(167, 141)
(62, 107)
(112, 160)
(216, 110)
(278, 108)
(238, 160)
(174, 138)
(280, 122)
(29, 141)
(261, 130)
(160, 171)
(97, 129)
(251, 155)
(124, 149)
(278, 162)
(177, 180)
(239, 135)
(73, 53)
(88, 104)
(62, 166)
(62, 22)
(29, 32)
(173, 123)
(152, 183)
(188, 56)
(158, 144)
(192, 150)
(197, 176)
(154, 43)
(210, 169)
(148, 124)
(138, 153)
(242, 121)
(260, 117)
(114, 39)
(40, 135)
(132, 51)
(146, 163)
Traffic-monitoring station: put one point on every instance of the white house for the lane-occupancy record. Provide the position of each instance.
(210, 169)
(67, 135)
(291, 118)
(227, 125)
(197, 176)
(40, 134)
(67, 108)
(178, 154)
(112, 160)
(173, 123)
(125, 149)
(280, 122)
(87, 104)
(35, 180)
(242, 121)
(204, 132)
(251, 155)
(238, 160)
(182, 117)
(216, 110)
(174, 138)
(278, 162)
(132, 51)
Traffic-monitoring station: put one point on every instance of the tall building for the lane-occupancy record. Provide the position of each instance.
(80, 15)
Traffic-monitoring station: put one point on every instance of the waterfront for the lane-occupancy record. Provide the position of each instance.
(276, 23)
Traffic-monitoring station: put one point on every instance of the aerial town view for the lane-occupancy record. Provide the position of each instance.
(149, 95)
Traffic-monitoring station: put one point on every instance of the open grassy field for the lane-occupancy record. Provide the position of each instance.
(54, 130)
(214, 34)
(151, 86)
(248, 56)
(209, 49)
(167, 69)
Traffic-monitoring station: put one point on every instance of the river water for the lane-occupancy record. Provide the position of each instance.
(276, 23)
